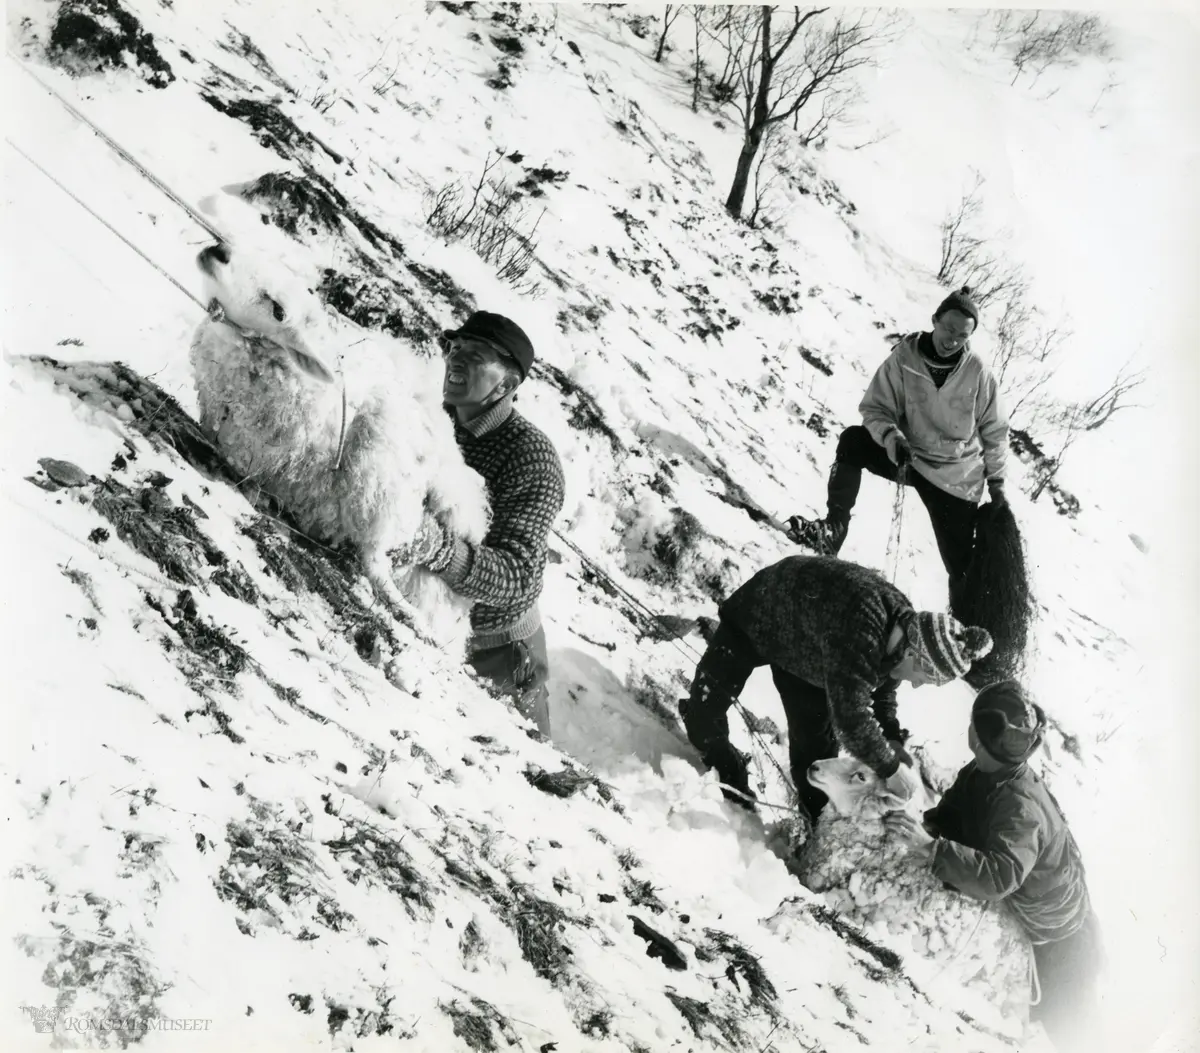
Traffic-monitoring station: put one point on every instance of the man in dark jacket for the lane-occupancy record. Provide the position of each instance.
(487, 359)
(998, 834)
(838, 637)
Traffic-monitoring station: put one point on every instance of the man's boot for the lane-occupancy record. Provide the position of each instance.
(824, 536)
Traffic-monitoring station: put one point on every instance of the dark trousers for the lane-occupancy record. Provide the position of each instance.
(1067, 971)
(953, 518)
(720, 678)
(518, 671)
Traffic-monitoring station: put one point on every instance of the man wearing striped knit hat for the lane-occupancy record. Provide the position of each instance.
(487, 359)
(838, 638)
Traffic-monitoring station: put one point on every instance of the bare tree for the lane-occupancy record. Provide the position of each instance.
(773, 70)
(968, 256)
(670, 13)
(1072, 419)
(992, 277)
(699, 13)
(1038, 40)
(1099, 410)
(1027, 351)
(766, 174)
(835, 108)
(958, 244)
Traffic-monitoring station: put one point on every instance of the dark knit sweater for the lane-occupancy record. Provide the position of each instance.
(827, 622)
(524, 480)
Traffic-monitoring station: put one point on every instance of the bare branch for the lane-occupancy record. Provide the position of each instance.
(772, 71)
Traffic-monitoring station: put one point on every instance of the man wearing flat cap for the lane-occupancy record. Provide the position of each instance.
(487, 359)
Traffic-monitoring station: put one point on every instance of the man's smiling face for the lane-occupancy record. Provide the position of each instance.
(950, 332)
(474, 369)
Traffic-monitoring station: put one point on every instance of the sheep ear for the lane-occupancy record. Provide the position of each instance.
(310, 365)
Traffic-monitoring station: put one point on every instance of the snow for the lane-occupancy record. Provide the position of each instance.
(125, 797)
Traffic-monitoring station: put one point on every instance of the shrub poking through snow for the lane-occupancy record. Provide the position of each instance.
(492, 218)
(682, 554)
(707, 1025)
(90, 36)
(816, 361)
(94, 971)
(742, 966)
(1030, 451)
(586, 415)
(273, 129)
(476, 1022)
(374, 857)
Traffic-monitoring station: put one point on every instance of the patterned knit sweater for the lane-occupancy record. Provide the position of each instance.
(827, 622)
(524, 480)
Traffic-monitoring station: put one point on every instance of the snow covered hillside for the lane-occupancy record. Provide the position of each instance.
(236, 794)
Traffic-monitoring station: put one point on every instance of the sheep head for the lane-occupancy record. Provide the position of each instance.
(255, 274)
(855, 790)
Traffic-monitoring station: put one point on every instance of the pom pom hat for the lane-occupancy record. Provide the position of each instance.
(945, 645)
(959, 300)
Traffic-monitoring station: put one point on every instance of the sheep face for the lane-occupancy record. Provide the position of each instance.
(854, 789)
(281, 309)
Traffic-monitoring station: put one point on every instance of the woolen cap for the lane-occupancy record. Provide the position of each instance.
(959, 300)
(948, 645)
(503, 332)
(1010, 725)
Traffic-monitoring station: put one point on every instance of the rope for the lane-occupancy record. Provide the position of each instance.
(1035, 982)
(639, 608)
(120, 151)
(893, 546)
(649, 619)
(191, 296)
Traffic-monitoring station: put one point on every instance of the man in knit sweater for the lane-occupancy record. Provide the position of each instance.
(998, 834)
(933, 419)
(487, 359)
(838, 637)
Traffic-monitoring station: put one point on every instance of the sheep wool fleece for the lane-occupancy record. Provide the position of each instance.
(827, 621)
(525, 487)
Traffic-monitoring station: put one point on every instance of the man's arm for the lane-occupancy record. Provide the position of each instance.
(883, 705)
(506, 569)
(1000, 867)
(993, 425)
(850, 679)
(882, 404)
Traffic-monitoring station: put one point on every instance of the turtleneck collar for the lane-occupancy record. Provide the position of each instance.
(490, 419)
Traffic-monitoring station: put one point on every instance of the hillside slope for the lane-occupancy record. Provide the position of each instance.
(221, 754)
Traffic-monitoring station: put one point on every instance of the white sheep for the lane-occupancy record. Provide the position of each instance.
(876, 883)
(342, 426)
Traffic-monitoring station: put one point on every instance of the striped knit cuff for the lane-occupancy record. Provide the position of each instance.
(459, 567)
(523, 628)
